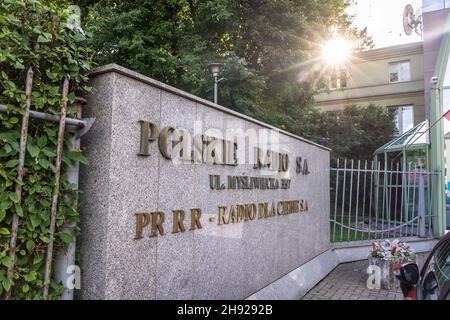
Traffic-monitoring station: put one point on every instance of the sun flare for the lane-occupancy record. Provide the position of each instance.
(336, 51)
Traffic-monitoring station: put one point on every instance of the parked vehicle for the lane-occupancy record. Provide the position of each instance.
(433, 282)
(447, 211)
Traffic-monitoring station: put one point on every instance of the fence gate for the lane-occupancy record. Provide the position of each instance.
(371, 200)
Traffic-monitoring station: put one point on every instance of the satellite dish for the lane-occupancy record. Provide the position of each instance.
(418, 16)
(408, 19)
(412, 21)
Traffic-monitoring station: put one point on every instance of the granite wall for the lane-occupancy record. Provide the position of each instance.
(230, 261)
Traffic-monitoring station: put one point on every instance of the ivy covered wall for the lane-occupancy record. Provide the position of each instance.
(33, 35)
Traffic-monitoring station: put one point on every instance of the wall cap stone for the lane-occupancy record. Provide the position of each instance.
(140, 77)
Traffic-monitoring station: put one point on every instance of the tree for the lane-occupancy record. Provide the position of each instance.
(356, 132)
(267, 47)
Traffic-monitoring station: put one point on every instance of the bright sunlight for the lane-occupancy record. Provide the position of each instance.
(336, 51)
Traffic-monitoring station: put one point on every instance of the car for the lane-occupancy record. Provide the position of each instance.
(447, 205)
(433, 282)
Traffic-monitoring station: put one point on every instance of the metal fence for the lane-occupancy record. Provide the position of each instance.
(79, 127)
(373, 201)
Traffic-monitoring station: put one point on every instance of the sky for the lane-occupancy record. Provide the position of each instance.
(383, 19)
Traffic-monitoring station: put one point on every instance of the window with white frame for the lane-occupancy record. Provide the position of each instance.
(404, 117)
(399, 71)
(338, 79)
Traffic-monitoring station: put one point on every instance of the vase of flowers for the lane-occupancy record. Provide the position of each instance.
(389, 256)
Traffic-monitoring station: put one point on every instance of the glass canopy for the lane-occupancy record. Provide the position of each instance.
(415, 138)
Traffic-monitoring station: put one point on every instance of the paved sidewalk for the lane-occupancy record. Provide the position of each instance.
(348, 282)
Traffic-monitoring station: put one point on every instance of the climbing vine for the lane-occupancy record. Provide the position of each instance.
(41, 37)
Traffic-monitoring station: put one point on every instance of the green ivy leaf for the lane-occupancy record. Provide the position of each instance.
(13, 120)
(14, 196)
(66, 237)
(5, 204)
(12, 163)
(32, 275)
(38, 259)
(7, 261)
(7, 283)
(9, 136)
(48, 152)
(30, 245)
(44, 163)
(19, 209)
(42, 141)
(35, 220)
(4, 231)
(77, 156)
(45, 203)
(42, 39)
(15, 145)
(33, 150)
(33, 189)
(25, 288)
(71, 97)
(79, 37)
(19, 65)
(2, 215)
(51, 132)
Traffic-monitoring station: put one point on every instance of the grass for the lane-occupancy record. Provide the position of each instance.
(353, 235)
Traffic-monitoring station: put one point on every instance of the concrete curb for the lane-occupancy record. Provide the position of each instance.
(298, 282)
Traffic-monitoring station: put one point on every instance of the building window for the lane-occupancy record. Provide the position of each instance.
(404, 118)
(399, 71)
(338, 79)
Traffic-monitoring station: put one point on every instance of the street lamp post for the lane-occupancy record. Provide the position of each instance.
(215, 69)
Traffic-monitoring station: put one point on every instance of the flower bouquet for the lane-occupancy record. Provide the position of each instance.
(389, 256)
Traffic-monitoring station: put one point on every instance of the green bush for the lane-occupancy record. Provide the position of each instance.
(34, 35)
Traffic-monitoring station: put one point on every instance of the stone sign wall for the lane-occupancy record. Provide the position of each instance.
(185, 199)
